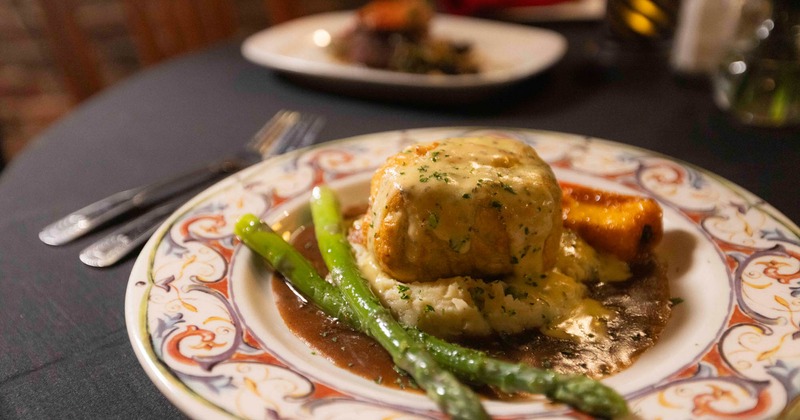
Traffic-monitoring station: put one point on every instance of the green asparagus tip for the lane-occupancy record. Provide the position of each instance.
(590, 396)
(246, 223)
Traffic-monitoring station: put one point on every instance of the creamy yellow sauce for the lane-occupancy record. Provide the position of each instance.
(451, 190)
(577, 259)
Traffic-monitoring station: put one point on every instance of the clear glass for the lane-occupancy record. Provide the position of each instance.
(635, 34)
(758, 81)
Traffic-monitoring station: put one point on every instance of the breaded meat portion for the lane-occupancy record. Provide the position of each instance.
(485, 207)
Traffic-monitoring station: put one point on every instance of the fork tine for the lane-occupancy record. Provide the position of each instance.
(314, 127)
(285, 131)
(271, 131)
(302, 133)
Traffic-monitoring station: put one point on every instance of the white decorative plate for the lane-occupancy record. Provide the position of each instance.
(507, 52)
(203, 324)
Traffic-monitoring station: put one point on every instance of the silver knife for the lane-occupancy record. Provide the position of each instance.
(81, 222)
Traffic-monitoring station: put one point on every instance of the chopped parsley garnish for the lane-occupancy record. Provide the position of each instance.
(441, 176)
(456, 244)
(507, 187)
(403, 289)
(433, 220)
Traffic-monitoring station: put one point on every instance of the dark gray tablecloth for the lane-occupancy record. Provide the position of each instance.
(64, 350)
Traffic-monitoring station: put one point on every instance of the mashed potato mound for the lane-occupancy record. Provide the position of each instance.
(464, 306)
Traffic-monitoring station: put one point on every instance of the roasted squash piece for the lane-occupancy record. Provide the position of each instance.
(626, 226)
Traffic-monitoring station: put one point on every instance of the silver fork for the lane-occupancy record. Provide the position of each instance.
(287, 130)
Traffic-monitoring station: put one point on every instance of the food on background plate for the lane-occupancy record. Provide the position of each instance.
(473, 240)
(395, 35)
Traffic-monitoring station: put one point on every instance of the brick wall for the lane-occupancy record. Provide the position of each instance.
(32, 92)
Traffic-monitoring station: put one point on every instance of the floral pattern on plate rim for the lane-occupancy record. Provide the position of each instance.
(195, 345)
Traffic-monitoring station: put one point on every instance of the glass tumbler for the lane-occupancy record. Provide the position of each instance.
(758, 81)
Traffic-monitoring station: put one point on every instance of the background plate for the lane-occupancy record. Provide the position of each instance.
(507, 52)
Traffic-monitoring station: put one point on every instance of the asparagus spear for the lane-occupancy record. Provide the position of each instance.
(580, 392)
(298, 270)
(456, 399)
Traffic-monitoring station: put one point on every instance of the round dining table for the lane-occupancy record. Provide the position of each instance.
(64, 349)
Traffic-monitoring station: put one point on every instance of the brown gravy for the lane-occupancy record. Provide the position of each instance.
(642, 303)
